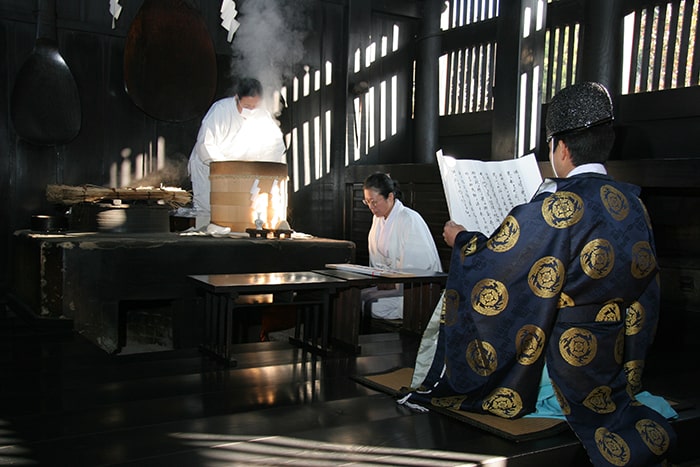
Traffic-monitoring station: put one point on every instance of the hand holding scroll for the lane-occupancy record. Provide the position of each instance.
(450, 231)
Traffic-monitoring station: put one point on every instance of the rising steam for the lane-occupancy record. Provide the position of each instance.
(269, 44)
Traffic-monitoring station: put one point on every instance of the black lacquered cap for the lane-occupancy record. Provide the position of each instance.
(577, 107)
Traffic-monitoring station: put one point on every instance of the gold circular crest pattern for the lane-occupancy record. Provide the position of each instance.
(562, 209)
(578, 346)
(599, 400)
(615, 202)
(450, 402)
(563, 403)
(635, 318)
(597, 258)
(643, 260)
(546, 277)
(653, 435)
(503, 402)
(506, 236)
(633, 372)
(565, 301)
(481, 357)
(609, 312)
(529, 343)
(468, 248)
(612, 447)
(489, 297)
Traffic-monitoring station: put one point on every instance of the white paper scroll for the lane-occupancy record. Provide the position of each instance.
(480, 194)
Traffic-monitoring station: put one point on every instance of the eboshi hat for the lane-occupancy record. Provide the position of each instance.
(578, 107)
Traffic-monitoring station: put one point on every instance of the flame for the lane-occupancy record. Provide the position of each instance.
(270, 208)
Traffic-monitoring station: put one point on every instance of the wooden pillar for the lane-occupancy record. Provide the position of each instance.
(602, 44)
(427, 92)
(340, 104)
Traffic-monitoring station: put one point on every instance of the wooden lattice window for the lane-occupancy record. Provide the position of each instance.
(459, 13)
(467, 72)
(659, 46)
(467, 77)
(561, 53)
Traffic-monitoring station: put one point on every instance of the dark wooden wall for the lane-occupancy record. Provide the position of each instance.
(112, 125)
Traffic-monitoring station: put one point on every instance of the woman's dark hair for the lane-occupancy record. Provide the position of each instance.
(383, 184)
(249, 87)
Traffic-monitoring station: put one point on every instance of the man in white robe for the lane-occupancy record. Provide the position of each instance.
(234, 128)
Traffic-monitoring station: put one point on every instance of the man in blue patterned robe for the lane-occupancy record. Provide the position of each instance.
(569, 279)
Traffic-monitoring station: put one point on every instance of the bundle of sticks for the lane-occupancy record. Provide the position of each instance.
(69, 195)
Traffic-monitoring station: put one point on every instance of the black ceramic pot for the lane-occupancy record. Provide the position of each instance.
(47, 223)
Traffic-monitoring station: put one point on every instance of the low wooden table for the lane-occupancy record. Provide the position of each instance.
(222, 292)
(421, 293)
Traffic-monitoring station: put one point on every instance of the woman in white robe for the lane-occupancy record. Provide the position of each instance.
(399, 240)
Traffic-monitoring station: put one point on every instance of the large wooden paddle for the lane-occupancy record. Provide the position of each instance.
(169, 61)
(45, 105)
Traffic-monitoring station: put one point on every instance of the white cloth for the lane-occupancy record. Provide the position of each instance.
(402, 241)
(428, 345)
(225, 135)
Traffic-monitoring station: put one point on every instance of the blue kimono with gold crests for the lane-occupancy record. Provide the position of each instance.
(569, 278)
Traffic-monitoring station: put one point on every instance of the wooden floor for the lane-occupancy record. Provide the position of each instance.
(63, 401)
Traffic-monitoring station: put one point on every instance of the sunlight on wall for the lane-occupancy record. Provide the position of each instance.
(295, 158)
(310, 145)
(375, 107)
(328, 140)
(370, 54)
(522, 112)
(295, 89)
(371, 115)
(306, 87)
(357, 111)
(395, 39)
(394, 105)
(375, 110)
(318, 167)
(306, 153)
(530, 86)
(534, 105)
(442, 83)
(382, 110)
(463, 12)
